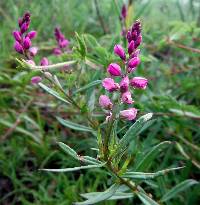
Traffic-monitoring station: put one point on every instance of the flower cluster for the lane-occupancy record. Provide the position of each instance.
(23, 37)
(61, 41)
(130, 62)
(23, 44)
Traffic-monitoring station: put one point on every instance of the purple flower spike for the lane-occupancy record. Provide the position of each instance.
(27, 43)
(114, 69)
(17, 35)
(118, 50)
(129, 114)
(139, 82)
(105, 102)
(124, 84)
(44, 62)
(110, 85)
(36, 80)
(18, 47)
(32, 34)
(33, 51)
(126, 98)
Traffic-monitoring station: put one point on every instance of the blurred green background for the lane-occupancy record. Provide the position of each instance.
(29, 130)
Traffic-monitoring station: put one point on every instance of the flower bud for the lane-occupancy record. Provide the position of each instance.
(126, 98)
(124, 11)
(110, 85)
(32, 34)
(139, 82)
(135, 54)
(18, 47)
(124, 84)
(134, 62)
(138, 41)
(36, 79)
(105, 102)
(118, 50)
(27, 43)
(33, 51)
(20, 22)
(24, 27)
(114, 69)
(44, 62)
(17, 36)
(30, 62)
(129, 114)
(57, 51)
(63, 43)
(131, 47)
(129, 36)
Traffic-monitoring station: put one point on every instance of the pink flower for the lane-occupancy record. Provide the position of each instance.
(124, 84)
(124, 11)
(30, 62)
(126, 98)
(33, 51)
(114, 69)
(118, 50)
(110, 85)
(131, 47)
(129, 114)
(27, 43)
(105, 102)
(44, 62)
(57, 51)
(139, 82)
(17, 35)
(18, 47)
(36, 79)
(63, 43)
(32, 34)
(24, 27)
(135, 53)
(138, 41)
(133, 63)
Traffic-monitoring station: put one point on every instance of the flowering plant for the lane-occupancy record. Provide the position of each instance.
(114, 153)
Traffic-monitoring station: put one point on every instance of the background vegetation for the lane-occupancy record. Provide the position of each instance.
(29, 130)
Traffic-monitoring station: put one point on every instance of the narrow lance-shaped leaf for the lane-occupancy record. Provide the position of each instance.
(178, 188)
(142, 175)
(52, 92)
(146, 199)
(74, 126)
(150, 156)
(74, 168)
(101, 196)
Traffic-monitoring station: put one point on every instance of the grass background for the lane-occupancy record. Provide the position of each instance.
(173, 95)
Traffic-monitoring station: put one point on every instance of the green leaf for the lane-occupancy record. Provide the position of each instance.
(133, 131)
(178, 188)
(74, 168)
(117, 195)
(150, 156)
(142, 175)
(52, 92)
(82, 47)
(92, 84)
(74, 126)
(101, 196)
(146, 199)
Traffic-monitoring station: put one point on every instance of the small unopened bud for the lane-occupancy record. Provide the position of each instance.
(129, 36)
(33, 51)
(32, 34)
(105, 102)
(17, 35)
(131, 47)
(114, 69)
(134, 62)
(110, 85)
(57, 51)
(139, 82)
(36, 80)
(118, 50)
(24, 27)
(44, 62)
(27, 43)
(18, 47)
(124, 84)
(126, 98)
(124, 11)
(138, 41)
(129, 114)
(63, 43)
